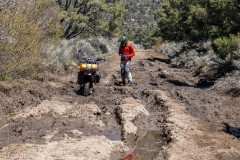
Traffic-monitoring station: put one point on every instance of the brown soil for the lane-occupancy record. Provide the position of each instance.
(50, 120)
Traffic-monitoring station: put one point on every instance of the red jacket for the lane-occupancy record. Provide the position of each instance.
(127, 50)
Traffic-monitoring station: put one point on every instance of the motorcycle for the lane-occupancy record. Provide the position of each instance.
(89, 74)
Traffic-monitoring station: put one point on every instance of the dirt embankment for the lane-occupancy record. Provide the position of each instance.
(49, 120)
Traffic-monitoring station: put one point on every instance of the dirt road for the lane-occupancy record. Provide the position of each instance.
(50, 120)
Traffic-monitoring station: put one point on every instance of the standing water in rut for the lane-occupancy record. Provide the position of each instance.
(148, 147)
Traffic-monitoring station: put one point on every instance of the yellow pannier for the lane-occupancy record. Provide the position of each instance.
(88, 67)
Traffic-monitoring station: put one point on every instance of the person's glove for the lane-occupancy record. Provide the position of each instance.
(124, 56)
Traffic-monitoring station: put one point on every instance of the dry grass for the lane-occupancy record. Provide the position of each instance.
(26, 29)
(157, 45)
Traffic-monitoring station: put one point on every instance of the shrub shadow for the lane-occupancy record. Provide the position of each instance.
(231, 130)
(205, 83)
(167, 60)
(180, 83)
(200, 84)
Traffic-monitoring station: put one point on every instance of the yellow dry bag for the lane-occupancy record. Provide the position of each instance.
(88, 67)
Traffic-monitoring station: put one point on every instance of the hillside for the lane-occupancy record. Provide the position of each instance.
(139, 20)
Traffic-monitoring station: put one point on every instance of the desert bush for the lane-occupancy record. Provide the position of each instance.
(225, 46)
(229, 84)
(171, 49)
(5, 78)
(196, 21)
(27, 27)
(157, 44)
(236, 63)
(227, 50)
(90, 18)
(228, 64)
(139, 22)
(144, 37)
(70, 51)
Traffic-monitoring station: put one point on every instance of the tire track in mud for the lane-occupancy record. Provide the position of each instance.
(111, 122)
(195, 116)
(64, 117)
(144, 80)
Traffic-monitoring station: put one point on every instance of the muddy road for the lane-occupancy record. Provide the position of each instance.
(163, 115)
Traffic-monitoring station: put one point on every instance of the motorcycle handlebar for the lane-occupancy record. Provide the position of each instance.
(100, 59)
(92, 60)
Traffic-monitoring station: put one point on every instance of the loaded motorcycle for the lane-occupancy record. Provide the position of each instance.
(88, 74)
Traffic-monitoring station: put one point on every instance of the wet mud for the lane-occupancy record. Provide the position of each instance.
(41, 114)
(149, 146)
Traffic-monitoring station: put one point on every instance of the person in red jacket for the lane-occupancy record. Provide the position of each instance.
(126, 52)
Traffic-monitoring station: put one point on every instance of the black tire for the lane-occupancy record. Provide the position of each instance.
(81, 90)
(80, 79)
(97, 76)
(86, 89)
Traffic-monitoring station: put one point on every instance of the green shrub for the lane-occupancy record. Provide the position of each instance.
(196, 21)
(87, 18)
(5, 78)
(225, 46)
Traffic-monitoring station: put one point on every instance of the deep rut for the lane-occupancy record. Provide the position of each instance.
(62, 116)
(50, 120)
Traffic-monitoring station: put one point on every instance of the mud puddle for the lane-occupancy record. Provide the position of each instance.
(148, 147)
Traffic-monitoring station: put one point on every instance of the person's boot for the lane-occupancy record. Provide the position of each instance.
(129, 83)
(90, 90)
(123, 82)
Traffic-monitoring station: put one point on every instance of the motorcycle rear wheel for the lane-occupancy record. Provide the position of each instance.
(86, 89)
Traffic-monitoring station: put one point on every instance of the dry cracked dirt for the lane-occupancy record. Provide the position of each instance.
(163, 115)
